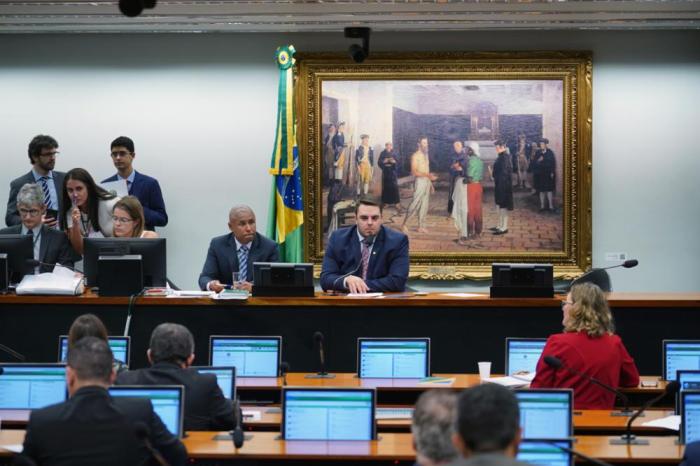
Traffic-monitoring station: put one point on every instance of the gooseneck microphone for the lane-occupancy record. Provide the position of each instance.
(556, 363)
(583, 456)
(600, 276)
(321, 374)
(628, 438)
(369, 241)
(284, 369)
(237, 434)
(143, 433)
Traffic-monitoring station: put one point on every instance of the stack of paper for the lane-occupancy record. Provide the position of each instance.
(61, 281)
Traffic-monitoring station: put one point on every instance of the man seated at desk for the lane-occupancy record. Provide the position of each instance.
(432, 427)
(366, 257)
(236, 252)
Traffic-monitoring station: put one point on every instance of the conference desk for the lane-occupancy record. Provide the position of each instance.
(463, 329)
(391, 448)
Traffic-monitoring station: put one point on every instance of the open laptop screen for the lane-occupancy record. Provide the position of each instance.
(522, 354)
(546, 413)
(251, 356)
(690, 416)
(393, 357)
(225, 378)
(328, 414)
(545, 452)
(32, 386)
(118, 345)
(687, 380)
(168, 402)
(680, 355)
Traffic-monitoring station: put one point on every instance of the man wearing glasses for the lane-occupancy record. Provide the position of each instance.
(42, 153)
(141, 186)
(50, 246)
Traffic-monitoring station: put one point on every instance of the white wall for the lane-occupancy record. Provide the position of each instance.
(201, 110)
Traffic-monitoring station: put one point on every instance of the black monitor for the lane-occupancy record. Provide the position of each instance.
(522, 281)
(282, 279)
(152, 251)
(19, 250)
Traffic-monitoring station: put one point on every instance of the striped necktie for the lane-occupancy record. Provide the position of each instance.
(243, 262)
(365, 259)
(44, 182)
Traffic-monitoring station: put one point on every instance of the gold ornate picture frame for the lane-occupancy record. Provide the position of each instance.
(538, 104)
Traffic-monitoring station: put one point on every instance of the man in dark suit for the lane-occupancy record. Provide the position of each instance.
(143, 187)
(236, 252)
(487, 428)
(367, 256)
(50, 246)
(93, 428)
(42, 155)
(171, 354)
(691, 456)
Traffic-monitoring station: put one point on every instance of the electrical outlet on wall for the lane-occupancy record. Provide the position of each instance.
(615, 256)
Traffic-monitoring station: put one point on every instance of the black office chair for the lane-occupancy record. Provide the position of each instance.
(598, 277)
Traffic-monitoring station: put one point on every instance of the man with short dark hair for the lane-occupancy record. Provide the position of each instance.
(92, 427)
(143, 187)
(367, 256)
(487, 427)
(42, 153)
(171, 354)
(432, 427)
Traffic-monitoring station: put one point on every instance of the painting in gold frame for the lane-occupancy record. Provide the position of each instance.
(529, 197)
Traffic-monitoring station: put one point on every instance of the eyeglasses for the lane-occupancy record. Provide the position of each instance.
(121, 220)
(50, 154)
(120, 153)
(564, 303)
(30, 212)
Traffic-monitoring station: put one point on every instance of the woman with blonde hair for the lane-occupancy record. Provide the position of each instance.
(128, 219)
(588, 345)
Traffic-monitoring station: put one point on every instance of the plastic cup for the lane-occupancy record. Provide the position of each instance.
(485, 370)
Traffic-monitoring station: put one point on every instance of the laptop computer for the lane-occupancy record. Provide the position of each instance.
(225, 378)
(546, 413)
(679, 355)
(393, 358)
(32, 386)
(690, 416)
(251, 356)
(687, 380)
(168, 402)
(522, 354)
(544, 452)
(328, 414)
(120, 346)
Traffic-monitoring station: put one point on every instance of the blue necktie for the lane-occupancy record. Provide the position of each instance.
(243, 262)
(44, 182)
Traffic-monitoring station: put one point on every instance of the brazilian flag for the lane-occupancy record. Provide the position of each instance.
(286, 213)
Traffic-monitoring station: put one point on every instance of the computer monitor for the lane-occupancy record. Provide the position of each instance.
(120, 346)
(32, 386)
(679, 355)
(152, 251)
(545, 452)
(19, 250)
(328, 414)
(168, 402)
(225, 378)
(282, 279)
(546, 413)
(690, 416)
(393, 358)
(251, 356)
(687, 380)
(522, 354)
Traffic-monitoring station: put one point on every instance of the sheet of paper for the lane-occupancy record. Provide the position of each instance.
(668, 422)
(437, 381)
(252, 415)
(14, 448)
(365, 295)
(507, 381)
(465, 295)
(118, 188)
(190, 294)
(526, 377)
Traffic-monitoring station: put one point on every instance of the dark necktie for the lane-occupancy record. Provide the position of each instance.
(243, 262)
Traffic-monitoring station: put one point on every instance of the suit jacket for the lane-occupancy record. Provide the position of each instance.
(12, 214)
(222, 258)
(93, 428)
(691, 457)
(147, 190)
(54, 247)
(388, 264)
(488, 459)
(205, 405)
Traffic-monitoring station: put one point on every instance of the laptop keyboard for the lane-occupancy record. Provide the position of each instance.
(394, 413)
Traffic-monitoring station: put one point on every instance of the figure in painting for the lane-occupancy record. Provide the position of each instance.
(475, 191)
(423, 186)
(389, 163)
(364, 158)
(544, 170)
(458, 193)
(329, 155)
(502, 174)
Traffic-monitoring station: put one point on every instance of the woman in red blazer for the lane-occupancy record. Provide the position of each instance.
(587, 345)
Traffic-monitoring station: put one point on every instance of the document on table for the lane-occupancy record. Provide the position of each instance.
(364, 295)
(14, 448)
(507, 381)
(465, 295)
(668, 422)
(190, 294)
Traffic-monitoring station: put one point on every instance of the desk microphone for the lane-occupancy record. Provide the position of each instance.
(237, 434)
(583, 456)
(556, 363)
(13, 353)
(600, 276)
(369, 241)
(143, 433)
(628, 438)
(284, 368)
(321, 374)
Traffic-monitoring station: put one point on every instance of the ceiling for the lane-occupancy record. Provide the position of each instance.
(94, 16)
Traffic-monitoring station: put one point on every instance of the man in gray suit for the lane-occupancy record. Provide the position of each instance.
(236, 252)
(487, 427)
(50, 246)
(42, 153)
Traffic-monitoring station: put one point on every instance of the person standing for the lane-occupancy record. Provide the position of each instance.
(389, 164)
(475, 191)
(544, 171)
(503, 190)
(423, 186)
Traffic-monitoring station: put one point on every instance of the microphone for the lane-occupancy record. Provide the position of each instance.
(369, 241)
(284, 368)
(237, 434)
(143, 433)
(321, 374)
(13, 353)
(583, 456)
(556, 363)
(628, 438)
(600, 277)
